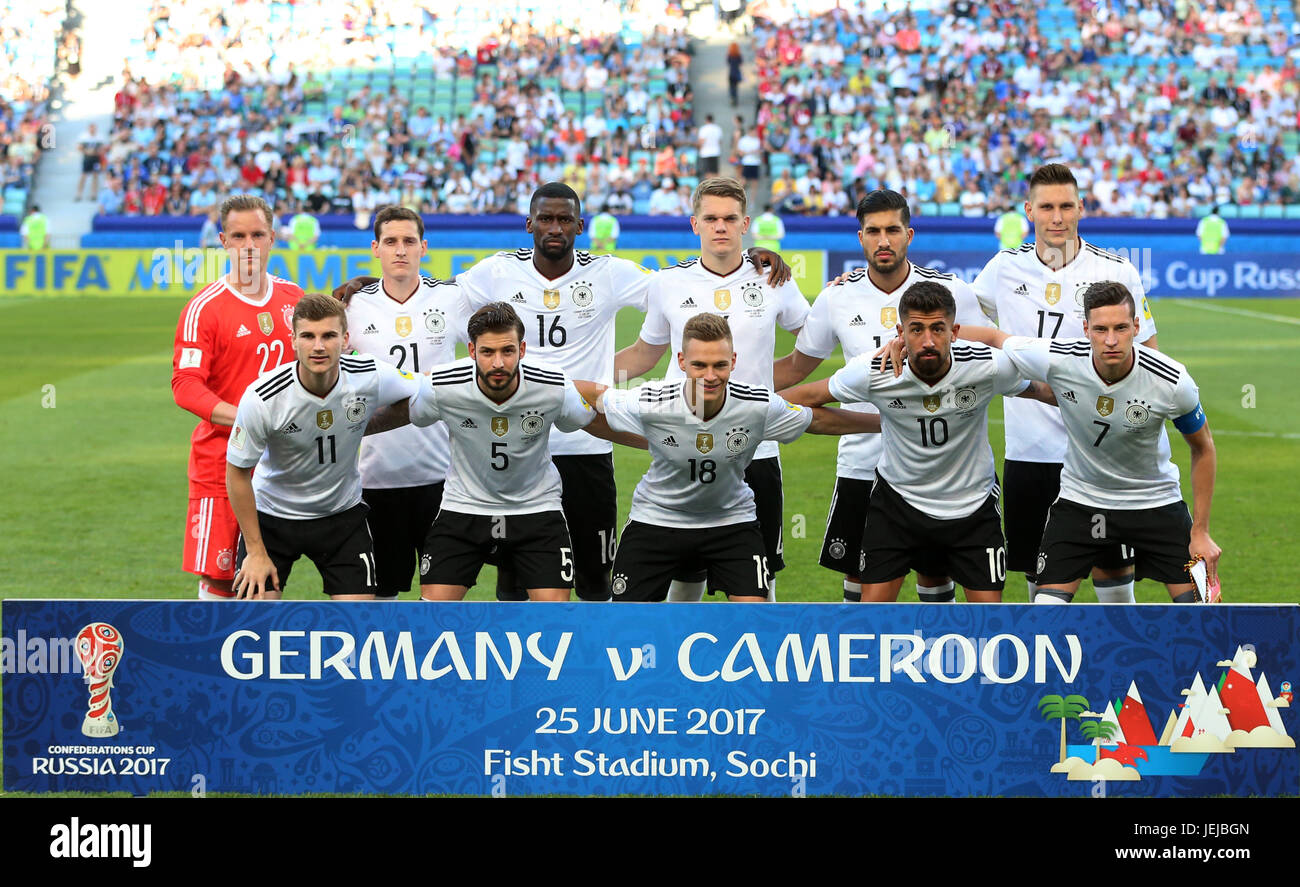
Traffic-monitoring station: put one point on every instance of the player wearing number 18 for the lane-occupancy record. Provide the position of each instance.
(502, 495)
(301, 425)
(694, 510)
(1118, 485)
(235, 329)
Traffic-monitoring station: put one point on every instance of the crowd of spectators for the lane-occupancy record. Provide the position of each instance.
(1160, 107)
(220, 98)
(31, 32)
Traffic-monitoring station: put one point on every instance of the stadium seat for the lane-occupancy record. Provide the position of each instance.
(950, 209)
(1292, 211)
(1271, 211)
(1230, 211)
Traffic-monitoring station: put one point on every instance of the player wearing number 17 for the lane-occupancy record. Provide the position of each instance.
(235, 329)
(1118, 484)
(301, 425)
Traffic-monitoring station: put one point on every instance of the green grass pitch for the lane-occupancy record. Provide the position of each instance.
(93, 452)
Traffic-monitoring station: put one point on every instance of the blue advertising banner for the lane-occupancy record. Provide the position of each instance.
(1166, 273)
(802, 699)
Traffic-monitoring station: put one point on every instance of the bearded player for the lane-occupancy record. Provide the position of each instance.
(234, 330)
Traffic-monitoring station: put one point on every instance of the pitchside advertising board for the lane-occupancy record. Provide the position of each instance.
(181, 271)
(787, 699)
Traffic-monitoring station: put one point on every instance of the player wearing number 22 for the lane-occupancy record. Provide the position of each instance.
(502, 496)
(233, 330)
(693, 509)
(934, 507)
(301, 425)
(1118, 484)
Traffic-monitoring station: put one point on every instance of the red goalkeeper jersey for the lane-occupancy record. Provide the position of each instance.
(223, 342)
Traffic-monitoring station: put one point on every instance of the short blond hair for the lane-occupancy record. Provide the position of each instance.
(719, 186)
(706, 328)
(317, 306)
(244, 202)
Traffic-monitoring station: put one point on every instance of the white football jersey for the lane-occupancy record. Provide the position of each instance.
(1024, 297)
(500, 461)
(1119, 452)
(305, 447)
(936, 449)
(568, 321)
(861, 317)
(414, 335)
(697, 471)
(752, 308)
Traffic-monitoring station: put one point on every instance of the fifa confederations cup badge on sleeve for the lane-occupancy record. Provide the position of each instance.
(99, 647)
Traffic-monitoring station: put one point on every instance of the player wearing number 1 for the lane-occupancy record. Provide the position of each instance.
(301, 425)
(235, 329)
(415, 323)
(934, 507)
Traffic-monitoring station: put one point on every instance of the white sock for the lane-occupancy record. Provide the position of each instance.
(771, 590)
(945, 593)
(1048, 596)
(1033, 590)
(852, 592)
(690, 592)
(1117, 593)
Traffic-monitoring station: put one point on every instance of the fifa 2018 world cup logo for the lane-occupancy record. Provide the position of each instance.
(99, 647)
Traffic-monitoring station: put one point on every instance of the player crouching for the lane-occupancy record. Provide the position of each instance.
(301, 424)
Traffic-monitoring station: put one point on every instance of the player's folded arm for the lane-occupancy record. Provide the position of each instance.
(830, 420)
(809, 394)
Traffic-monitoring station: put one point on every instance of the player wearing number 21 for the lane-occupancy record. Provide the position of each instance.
(236, 328)
(1118, 484)
(502, 495)
(301, 425)
(934, 506)
(693, 510)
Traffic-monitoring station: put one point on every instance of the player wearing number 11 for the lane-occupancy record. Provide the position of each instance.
(301, 425)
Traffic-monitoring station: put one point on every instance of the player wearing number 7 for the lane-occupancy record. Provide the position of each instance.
(934, 507)
(693, 510)
(301, 425)
(1118, 484)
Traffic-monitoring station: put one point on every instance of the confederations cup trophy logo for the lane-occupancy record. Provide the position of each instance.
(99, 647)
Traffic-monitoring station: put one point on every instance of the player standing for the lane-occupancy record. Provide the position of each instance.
(1032, 291)
(414, 322)
(1118, 483)
(693, 508)
(861, 314)
(503, 491)
(721, 280)
(234, 330)
(301, 425)
(934, 507)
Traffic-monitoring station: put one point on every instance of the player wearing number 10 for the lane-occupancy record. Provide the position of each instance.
(235, 329)
(301, 425)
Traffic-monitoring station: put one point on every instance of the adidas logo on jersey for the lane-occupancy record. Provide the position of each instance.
(518, 298)
(291, 428)
(689, 303)
(1022, 290)
(243, 331)
(857, 321)
(1068, 395)
(468, 423)
(897, 404)
(371, 330)
(669, 442)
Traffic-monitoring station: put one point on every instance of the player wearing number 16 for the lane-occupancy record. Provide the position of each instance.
(301, 425)
(235, 329)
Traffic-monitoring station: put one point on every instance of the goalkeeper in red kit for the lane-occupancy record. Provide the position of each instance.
(235, 329)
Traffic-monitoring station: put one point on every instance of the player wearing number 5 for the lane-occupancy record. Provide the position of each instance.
(934, 507)
(1118, 485)
(235, 329)
(414, 322)
(502, 495)
(693, 510)
(301, 425)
